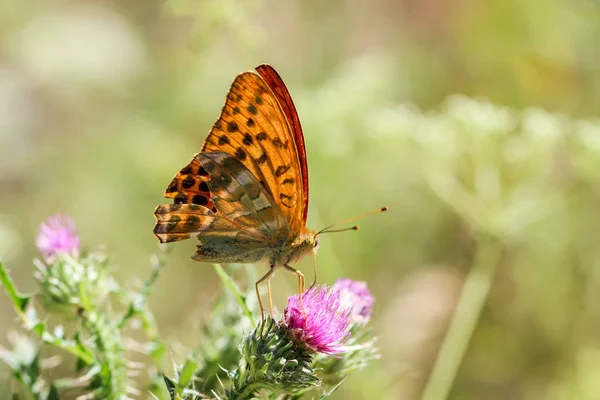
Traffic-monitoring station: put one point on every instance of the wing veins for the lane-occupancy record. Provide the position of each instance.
(235, 142)
(273, 129)
(253, 211)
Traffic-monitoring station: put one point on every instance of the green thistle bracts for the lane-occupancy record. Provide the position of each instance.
(272, 361)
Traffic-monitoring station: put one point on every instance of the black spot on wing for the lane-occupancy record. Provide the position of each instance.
(199, 199)
(173, 207)
(223, 139)
(188, 182)
(279, 144)
(167, 226)
(172, 187)
(180, 198)
(202, 171)
(282, 169)
(192, 221)
(247, 140)
(240, 154)
(252, 109)
(262, 159)
(232, 126)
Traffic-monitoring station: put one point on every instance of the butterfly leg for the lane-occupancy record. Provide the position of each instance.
(301, 287)
(315, 270)
(270, 298)
(267, 278)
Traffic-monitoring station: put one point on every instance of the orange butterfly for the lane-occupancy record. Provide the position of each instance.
(245, 195)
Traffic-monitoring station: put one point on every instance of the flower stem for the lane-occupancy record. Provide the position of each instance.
(110, 356)
(240, 298)
(472, 298)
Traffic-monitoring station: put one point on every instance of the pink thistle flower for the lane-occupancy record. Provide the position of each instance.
(57, 235)
(324, 326)
(356, 296)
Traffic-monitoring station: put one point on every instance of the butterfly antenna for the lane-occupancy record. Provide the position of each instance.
(353, 228)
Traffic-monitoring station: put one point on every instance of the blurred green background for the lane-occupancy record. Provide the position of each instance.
(475, 122)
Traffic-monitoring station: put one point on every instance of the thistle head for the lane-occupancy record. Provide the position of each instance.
(317, 320)
(57, 236)
(356, 296)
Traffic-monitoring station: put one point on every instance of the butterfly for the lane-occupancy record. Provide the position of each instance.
(245, 195)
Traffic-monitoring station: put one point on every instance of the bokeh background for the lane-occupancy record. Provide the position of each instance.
(475, 122)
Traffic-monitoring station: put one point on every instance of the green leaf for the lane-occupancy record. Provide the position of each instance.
(187, 372)
(20, 301)
(86, 302)
(39, 329)
(81, 350)
(333, 389)
(33, 369)
(170, 386)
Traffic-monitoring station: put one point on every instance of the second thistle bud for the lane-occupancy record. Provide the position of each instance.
(57, 236)
(65, 276)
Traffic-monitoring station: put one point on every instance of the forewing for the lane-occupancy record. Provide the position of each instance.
(254, 129)
(275, 83)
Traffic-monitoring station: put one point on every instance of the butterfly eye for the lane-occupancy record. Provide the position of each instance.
(316, 243)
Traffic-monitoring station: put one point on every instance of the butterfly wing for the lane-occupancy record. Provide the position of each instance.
(221, 240)
(254, 128)
(246, 223)
(239, 197)
(189, 186)
(275, 83)
(175, 222)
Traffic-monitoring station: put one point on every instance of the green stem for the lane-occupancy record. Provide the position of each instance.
(239, 297)
(110, 354)
(472, 298)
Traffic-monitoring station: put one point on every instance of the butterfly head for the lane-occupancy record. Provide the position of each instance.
(306, 243)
